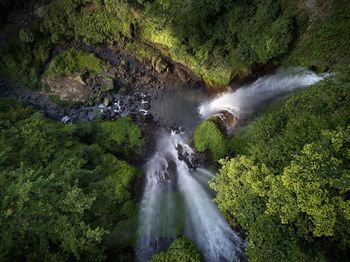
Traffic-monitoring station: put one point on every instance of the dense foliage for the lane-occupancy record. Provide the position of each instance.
(209, 138)
(66, 189)
(326, 42)
(126, 136)
(73, 61)
(180, 250)
(22, 58)
(63, 196)
(217, 39)
(290, 190)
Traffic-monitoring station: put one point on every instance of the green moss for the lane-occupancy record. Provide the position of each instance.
(208, 137)
(141, 51)
(74, 61)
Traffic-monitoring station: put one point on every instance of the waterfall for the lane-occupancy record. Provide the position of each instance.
(249, 98)
(167, 176)
(206, 227)
(177, 199)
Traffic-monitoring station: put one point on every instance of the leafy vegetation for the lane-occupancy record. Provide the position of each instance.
(208, 137)
(125, 134)
(23, 57)
(216, 38)
(74, 61)
(63, 196)
(219, 40)
(326, 43)
(65, 191)
(289, 191)
(180, 250)
(91, 21)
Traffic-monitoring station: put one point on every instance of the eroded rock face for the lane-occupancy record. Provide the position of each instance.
(70, 88)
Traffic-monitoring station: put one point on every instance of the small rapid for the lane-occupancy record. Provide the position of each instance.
(177, 202)
(246, 100)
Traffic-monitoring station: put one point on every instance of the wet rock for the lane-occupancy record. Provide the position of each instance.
(226, 121)
(106, 101)
(171, 172)
(146, 79)
(111, 72)
(147, 106)
(184, 156)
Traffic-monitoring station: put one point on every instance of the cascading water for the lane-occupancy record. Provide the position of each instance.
(177, 199)
(167, 177)
(246, 100)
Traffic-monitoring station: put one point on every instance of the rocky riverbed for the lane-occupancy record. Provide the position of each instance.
(126, 86)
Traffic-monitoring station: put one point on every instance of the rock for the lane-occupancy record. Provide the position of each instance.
(146, 79)
(161, 66)
(184, 156)
(106, 101)
(226, 121)
(171, 171)
(147, 106)
(107, 84)
(182, 75)
(71, 88)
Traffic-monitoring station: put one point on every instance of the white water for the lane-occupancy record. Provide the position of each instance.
(249, 98)
(204, 224)
(177, 199)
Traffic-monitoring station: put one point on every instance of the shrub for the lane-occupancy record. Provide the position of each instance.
(208, 137)
(180, 250)
(126, 134)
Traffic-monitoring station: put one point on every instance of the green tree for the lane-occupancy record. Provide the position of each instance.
(289, 192)
(63, 197)
(180, 250)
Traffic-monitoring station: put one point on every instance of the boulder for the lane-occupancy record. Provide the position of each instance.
(107, 84)
(161, 66)
(182, 75)
(69, 88)
(226, 121)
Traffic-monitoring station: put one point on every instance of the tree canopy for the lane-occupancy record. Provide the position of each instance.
(289, 189)
(62, 197)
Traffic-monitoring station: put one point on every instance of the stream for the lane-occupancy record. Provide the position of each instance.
(177, 199)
